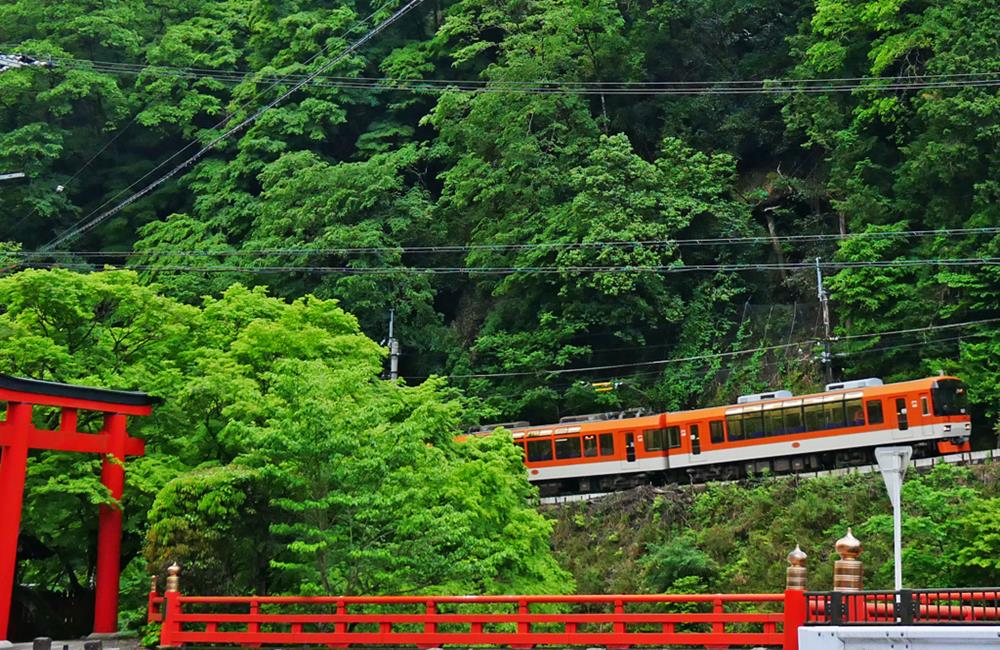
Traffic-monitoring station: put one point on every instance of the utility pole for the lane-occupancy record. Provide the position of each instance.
(393, 348)
(827, 356)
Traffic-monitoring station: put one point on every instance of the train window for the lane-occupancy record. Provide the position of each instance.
(590, 446)
(773, 423)
(833, 415)
(673, 436)
(949, 397)
(874, 408)
(716, 432)
(855, 414)
(567, 448)
(813, 416)
(654, 439)
(539, 450)
(753, 425)
(793, 419)
(734, 424)
(923, 405)
(607, 444)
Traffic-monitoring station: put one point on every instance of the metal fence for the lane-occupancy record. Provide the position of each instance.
(905, 607)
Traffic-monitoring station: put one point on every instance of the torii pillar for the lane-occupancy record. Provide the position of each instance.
(18, 434)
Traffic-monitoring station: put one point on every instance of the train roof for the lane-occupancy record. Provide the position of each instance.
(655, 420)
(868, 391)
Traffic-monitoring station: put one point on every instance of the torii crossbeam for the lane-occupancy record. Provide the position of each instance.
(18, 434)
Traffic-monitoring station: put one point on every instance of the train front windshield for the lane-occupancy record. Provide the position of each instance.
(950, 397)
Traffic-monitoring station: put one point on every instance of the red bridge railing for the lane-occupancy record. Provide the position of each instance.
(621, 621)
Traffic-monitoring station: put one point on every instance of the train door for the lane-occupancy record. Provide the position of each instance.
(630, 447)
(695, 442)
(902, 420)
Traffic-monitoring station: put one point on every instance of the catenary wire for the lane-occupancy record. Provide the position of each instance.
(717, 355)
(912, 330)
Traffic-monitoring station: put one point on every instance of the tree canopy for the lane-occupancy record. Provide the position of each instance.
(342, 189)
(545, 194)
(279, 462)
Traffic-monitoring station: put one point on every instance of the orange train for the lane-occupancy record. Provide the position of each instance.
(769, 432)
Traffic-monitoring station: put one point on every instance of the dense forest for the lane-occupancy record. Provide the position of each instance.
(545, 194)
(526, 178)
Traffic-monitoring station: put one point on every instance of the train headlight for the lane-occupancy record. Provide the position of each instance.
(947, 428)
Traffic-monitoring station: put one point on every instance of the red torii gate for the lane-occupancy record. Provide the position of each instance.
(18, 434)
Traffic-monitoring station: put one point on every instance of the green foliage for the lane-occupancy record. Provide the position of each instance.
(336, 167)
(734, 538)
(279, 461)
(467, 178)
(677, 563)
(919, 159)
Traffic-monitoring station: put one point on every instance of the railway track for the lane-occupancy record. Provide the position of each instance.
(967, 458)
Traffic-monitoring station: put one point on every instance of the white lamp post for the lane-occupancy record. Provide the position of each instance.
(892, 462)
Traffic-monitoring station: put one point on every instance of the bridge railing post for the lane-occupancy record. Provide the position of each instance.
(430, 627)
(171, 627)
(795, 617)
(904, 605)
(253, 627)
(152, 611)
(848, 578)
(795, 597)
(836, 608)
(718, 608)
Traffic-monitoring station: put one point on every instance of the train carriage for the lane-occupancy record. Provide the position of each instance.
(771, 432)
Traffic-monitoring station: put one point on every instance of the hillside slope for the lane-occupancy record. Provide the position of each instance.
(734, 537)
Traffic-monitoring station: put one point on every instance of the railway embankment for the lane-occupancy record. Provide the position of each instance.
(734, 537)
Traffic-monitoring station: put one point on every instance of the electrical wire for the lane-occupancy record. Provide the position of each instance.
(912, 330)
(118, 134)
(468, 248)
(244, 73)
(840, 84)
(637, 364)
(87, 223)
(916, 344)
(718, 355)
(572, 89)
(539, 270)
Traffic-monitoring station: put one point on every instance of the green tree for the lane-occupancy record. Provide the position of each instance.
(278, 462)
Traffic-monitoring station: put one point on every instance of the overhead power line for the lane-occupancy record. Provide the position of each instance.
(275, 83)
(678, 267)
(555, 86)
(79, 229)
(243, 74)
(716, 355)
(468, 248)
(914, 330)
